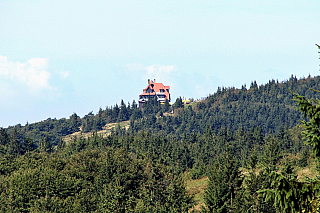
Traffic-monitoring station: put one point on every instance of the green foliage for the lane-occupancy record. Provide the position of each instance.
(139, 169)
(4, 137)
(272, 153)
(178, 104)
(88, 181)
(224, 187)
(46, 145)
(286, 191)
(268, 106)
(257, 179)
(291, 195)
(303, 161)
(29, 145)
(311, 109)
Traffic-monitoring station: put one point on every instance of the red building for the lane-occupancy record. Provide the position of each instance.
(155, 90)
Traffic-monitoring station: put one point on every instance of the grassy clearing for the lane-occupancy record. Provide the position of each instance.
(193, 104)
(309, 171)
(104, 132)
(197, 188)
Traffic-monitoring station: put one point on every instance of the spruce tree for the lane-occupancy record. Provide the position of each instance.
(178, 103)
(14, 147)
(29, 145)
(288, 193)
(224, 186)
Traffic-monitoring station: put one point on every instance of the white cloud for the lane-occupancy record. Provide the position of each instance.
(162, 73)
(32, 74)
(64, 74)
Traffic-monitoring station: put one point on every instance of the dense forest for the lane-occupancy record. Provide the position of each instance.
(268, 106)
(248, 141)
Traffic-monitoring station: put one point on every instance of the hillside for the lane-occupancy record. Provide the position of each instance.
(105, 132)
(127, 159)
(268, 106)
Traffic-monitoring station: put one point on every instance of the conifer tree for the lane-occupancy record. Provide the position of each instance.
(4, 137)
(288, 193)
(123, 113)
(61, 144)
(178, 103)
(224, 186)
(14, 147)
(75, 122)
(46, 145)
(29, 145)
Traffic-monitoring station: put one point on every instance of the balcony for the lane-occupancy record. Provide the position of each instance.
(143, 99)
(162, 99)
(160, 93)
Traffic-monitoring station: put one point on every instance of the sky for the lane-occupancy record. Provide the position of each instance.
(63, 57)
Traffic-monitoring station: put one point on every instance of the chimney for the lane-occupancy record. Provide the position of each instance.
(148, 81)
(154, 80)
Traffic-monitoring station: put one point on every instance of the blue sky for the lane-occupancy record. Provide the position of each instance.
(59, 57)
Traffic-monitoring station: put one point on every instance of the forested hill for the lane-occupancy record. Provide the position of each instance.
(268, 106)
(236, 137)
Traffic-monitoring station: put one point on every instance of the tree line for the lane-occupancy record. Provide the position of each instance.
(142, 172)
(248, 146)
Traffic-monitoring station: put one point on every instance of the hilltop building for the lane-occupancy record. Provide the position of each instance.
(154, 90)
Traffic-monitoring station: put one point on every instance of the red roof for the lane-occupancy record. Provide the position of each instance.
(154, 88)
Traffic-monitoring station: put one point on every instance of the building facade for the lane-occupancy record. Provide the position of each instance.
(154, 90)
